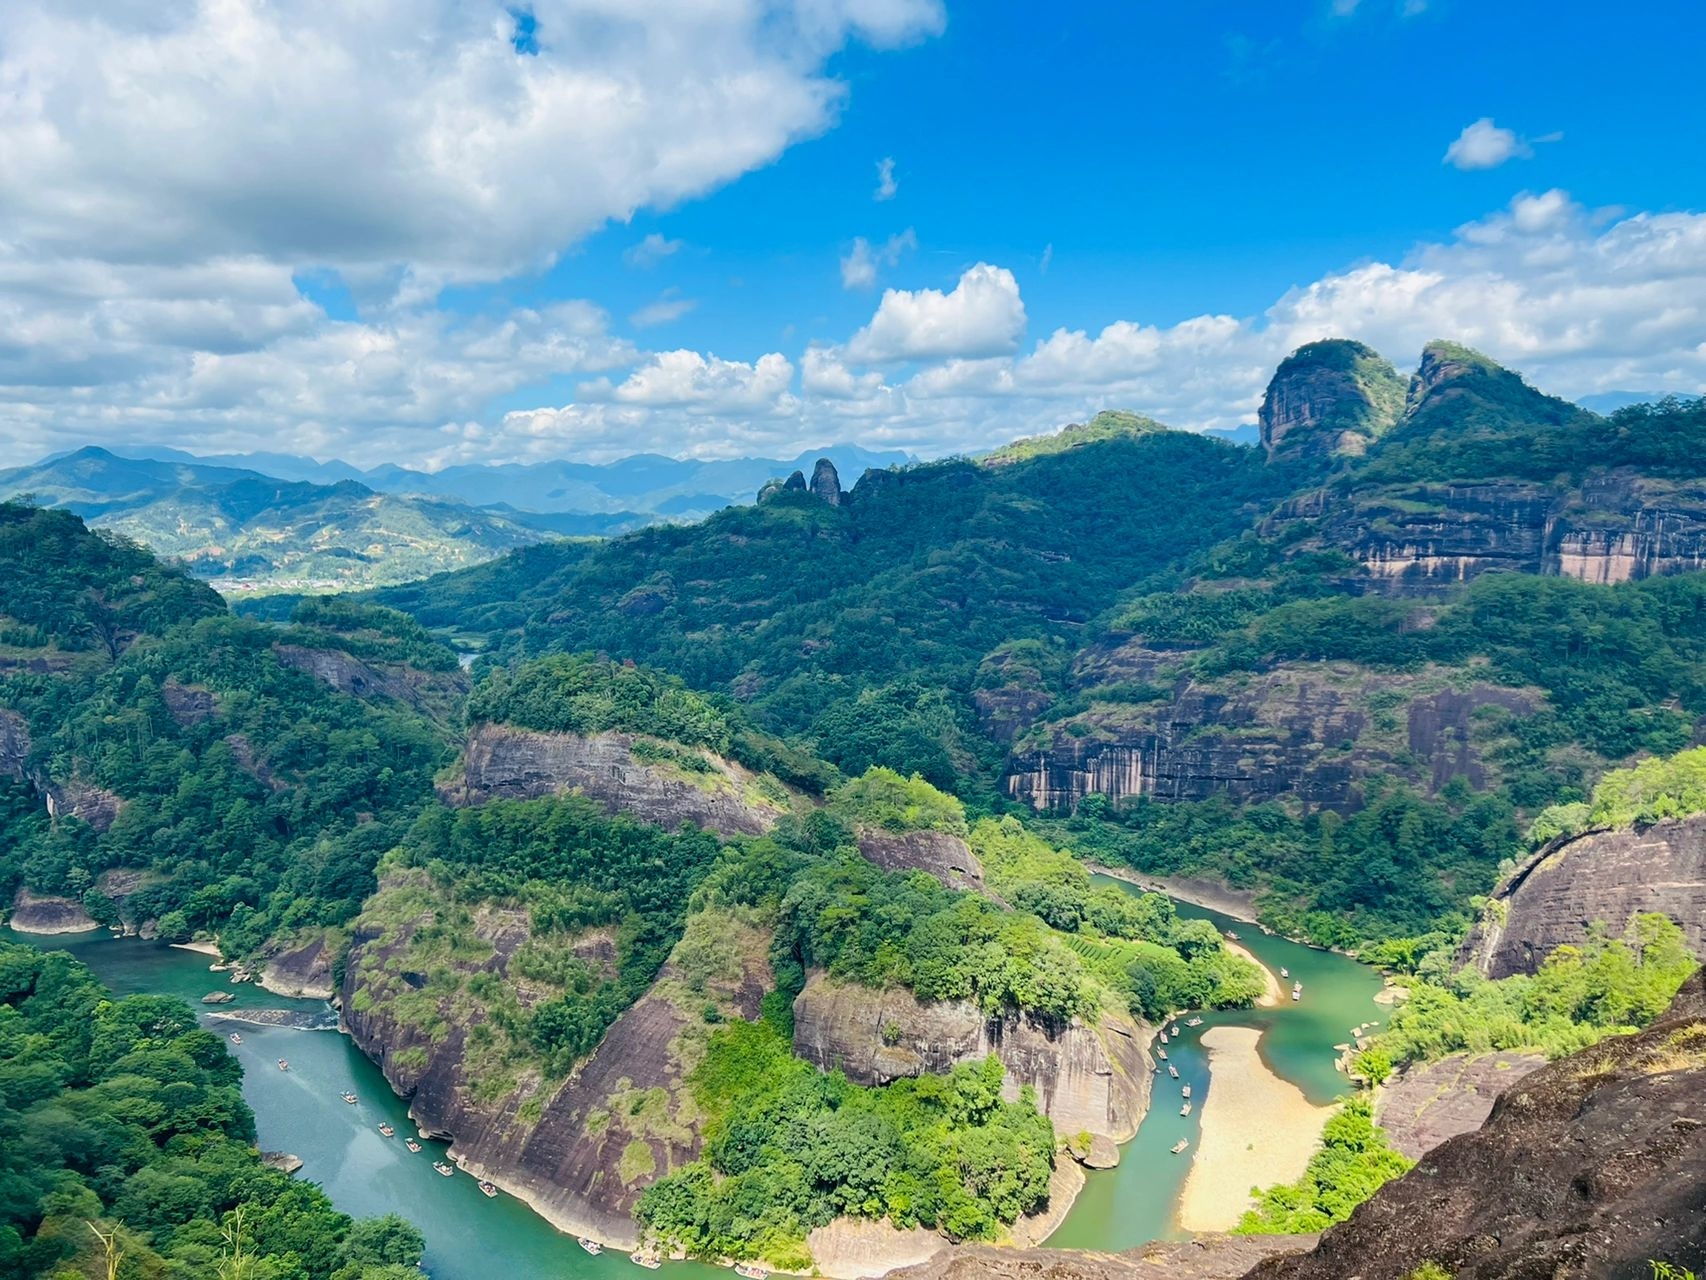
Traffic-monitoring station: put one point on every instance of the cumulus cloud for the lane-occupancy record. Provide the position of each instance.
(1485, 145)
(859, 268)
(982, 316)
(689, 380)
(887, 187)
(399, 131)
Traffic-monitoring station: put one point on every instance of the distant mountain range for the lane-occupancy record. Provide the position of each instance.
(262, 521)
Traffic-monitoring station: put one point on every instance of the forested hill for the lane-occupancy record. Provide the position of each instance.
(1432, 604)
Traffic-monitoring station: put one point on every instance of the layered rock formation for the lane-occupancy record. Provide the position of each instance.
(15, 744)
(1310, 731)
(499, 762)
(1087, 1079)
(826, 482)
(1602, 877)
(349, 674)
(1589, 1169)
(84, 801)
(42, 913)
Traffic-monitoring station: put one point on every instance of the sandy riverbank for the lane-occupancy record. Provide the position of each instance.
(1199, 891)
(200, 948)
(1257, 1129)
(1272, 992)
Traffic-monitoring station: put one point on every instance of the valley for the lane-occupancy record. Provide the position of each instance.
(736, 899)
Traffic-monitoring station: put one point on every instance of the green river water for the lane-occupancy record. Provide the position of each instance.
(472, 1237)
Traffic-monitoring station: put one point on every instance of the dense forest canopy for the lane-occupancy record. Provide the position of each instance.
(122, 1121)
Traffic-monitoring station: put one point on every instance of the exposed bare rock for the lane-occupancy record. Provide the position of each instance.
(1434, 1101)
(187, 704)
(1604, 877)
(348, 674)
(1206, 1258)
(499, 762)
(41, 913)
(85, 801)
(1004, 714)
(1087, 1079)
(1586, 1170)
(249, 760)
(1309, 731)
(304, 970)
(283, 1161)
(826, 483)
(15, 744)
(1329, 397)
(579, 1151)
(946, 857)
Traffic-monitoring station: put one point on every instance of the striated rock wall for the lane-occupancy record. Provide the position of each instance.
(85, 801)
(1587, 1170)
(1205, 1258)
(348, 674)
(499, 762)
(1603, 876)
(1303, 730)
(1617, 526)
(1093, 1079)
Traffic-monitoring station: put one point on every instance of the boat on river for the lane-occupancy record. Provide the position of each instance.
(283, 1065)
(646, 1260)
(1193, 1022)
(751, 1271)
(1175, 1031)
(1172, 1071)
(411, 1144)
(1162, 1054)
(1185, 1110)
(236, 1039)
(388, 1131)
(1180, 1145)
(591, 1246)
(1285, 973)
(488, 1189)
(348, 1097)
(1163, 1037)
(1231, 936)
(439, 1167)
(1185, 1092)
(1297, 991)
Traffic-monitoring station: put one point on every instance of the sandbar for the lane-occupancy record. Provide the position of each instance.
(1257, 1129)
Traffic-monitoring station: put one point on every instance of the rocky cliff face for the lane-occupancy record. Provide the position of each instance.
(946, 857)
(1205, 1258)
(348, 674)
(1589, 1169)
(1434, 1101)
(1310, 731)
(15, 744)
(1415, 539)
(41, 913)
(826, 482)
(84, 801)
(499, 762)
(1329, 398)
(1603, 876)
(580, 1150)
(304, 969)
(1093, 1079)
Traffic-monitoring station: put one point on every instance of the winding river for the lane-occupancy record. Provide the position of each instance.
(472, 1237)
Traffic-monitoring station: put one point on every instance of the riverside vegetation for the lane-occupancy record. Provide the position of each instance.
(881, 660)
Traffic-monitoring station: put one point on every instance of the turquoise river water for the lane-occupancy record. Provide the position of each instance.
(472, 1237)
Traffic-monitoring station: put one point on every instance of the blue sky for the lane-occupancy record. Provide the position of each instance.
(644, 230)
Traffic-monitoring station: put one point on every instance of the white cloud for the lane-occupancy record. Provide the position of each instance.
(887, 186)
(982, 316)
(1485, 145)
(859, 268)
(666, 309)
(399, 131)
(652, 250)
(689, 380)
